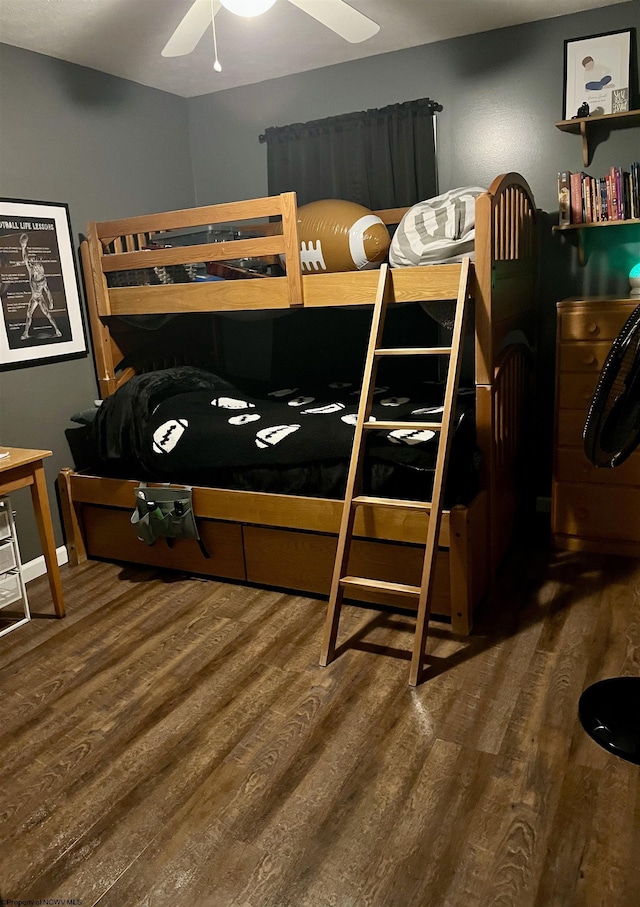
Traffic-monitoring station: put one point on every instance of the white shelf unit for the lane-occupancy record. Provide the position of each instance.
(13, 594)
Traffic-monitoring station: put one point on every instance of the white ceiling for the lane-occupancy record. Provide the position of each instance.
(126, 37)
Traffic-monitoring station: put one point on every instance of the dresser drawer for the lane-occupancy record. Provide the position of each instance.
(583, 357)
(593, 321)
(573, 466)
(593, 509)
(570, 427)
(609, 512)
(570, 433)
(576, 390)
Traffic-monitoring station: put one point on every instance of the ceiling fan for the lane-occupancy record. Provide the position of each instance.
(336, 15)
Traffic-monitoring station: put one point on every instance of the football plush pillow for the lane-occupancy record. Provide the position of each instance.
(337, 235)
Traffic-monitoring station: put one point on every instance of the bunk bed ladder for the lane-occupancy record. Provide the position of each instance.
(341, 581)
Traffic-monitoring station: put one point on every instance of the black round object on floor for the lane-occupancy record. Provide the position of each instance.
(609, 711)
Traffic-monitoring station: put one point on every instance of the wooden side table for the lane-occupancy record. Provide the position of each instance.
(22, 468)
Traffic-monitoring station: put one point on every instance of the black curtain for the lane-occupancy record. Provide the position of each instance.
(379, 158)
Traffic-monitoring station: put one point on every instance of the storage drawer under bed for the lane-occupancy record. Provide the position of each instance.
(304, 560)
(284, 558)
(110, 535)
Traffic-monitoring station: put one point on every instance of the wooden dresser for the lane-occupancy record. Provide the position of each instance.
(592, 509)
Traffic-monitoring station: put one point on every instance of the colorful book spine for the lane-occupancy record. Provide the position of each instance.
(586, 192)
(576, 198)
(610, 215)
(604, 207)
(564, 198)
(613, 183)
(634, 190)
(619, 193)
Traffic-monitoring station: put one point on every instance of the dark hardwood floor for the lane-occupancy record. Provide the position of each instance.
(173, 743)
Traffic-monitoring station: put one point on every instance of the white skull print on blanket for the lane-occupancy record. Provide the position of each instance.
(290, 425)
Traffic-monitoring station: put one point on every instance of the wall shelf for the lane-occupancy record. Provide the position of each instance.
(575, 230)
(598, 223)
(587, 127)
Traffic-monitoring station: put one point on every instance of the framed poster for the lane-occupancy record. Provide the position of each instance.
(39, 291)
(597, 73)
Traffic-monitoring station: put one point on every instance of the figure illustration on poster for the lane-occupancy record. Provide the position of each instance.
(40, 292)
(596, 76)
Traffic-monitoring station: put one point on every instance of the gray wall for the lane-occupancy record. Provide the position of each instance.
(502, 93)
(108, 148)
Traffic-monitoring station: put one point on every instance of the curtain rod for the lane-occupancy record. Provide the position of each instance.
(403, 108)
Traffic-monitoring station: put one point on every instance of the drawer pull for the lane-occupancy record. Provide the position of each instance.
(589, 358)
(591, 327)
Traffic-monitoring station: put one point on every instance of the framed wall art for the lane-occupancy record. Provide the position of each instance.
(39, 290)
(597, 74)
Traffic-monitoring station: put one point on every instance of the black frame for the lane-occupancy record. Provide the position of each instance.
(40, 300)
(570, 110)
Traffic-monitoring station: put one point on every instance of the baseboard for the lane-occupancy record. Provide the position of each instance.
(37, 567)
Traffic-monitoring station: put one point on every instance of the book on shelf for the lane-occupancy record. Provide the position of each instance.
(586, 199)
(612, 197)
(564, 198)
(576, 198)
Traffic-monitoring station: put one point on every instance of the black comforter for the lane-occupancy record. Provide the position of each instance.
(188, 425)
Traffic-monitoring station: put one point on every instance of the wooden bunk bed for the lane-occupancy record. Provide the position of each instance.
(289, 541)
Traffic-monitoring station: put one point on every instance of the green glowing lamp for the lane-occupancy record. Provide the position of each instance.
(634, 280)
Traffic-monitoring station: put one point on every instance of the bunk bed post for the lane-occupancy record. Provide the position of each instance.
(460, 572)
(96, 275)
(506, 278)
(73, 534)
(292, 247)
(484, 353)
(94, 290)
(484, 246)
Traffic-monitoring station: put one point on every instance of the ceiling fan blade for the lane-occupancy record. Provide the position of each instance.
(341, 18)
(189, 32)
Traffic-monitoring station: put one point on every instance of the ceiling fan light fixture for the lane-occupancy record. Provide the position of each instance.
(247, 8)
